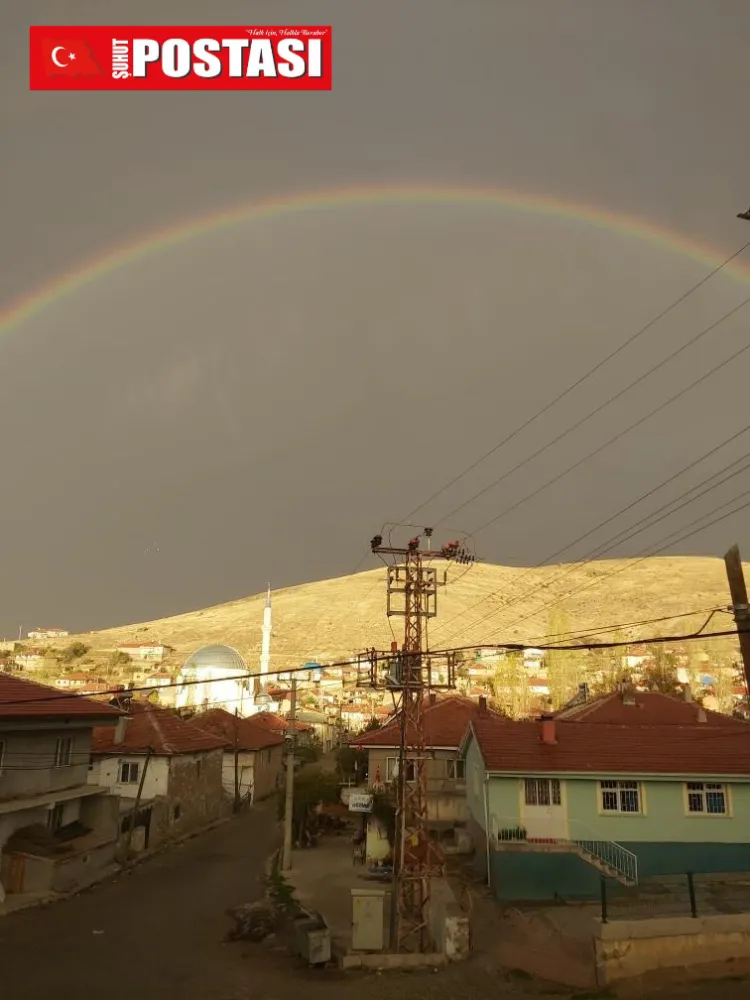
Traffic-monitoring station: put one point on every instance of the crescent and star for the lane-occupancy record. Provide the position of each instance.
(55, 58)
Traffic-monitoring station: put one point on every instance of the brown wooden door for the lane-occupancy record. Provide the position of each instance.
(17, 873)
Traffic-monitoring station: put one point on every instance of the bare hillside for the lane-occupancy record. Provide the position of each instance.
(334, 619)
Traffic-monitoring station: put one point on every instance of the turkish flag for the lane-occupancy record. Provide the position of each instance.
(69, 57)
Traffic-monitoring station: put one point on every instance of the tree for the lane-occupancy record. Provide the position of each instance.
(510, 686)
(351, 763)
(661, 673)
(119, 659)
(563, 667)
(371, 726)
(73, 652)
(312, 787)
(606, 668)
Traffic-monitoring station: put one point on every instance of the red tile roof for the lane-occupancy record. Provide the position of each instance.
(22, 699)
(277, 724)
(247, 733)
(158, 728)
(649, 709)
(601, 748)
(445, 724)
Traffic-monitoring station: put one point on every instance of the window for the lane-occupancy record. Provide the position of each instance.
(542, 792)
(128, 773)
(63, 751)
(198, 768)
(706, 798)
(620, 796)
(176, 813)
(55, 817)
(391, 769)
(2, 755)
(455, 770)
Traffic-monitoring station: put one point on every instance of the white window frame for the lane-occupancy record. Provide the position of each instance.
(699, 791)
(121, 779)
(391, 765)
(58, 809)
(455, 769)
(610, 787)
(532, 787)
(64, 751)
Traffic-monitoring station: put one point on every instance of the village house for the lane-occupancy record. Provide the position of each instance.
(48, 633)
(630, 786)
(144, 650)
(76, 679)
(57, 830)
(253, 758)
(177, 765)
(324, 727)
(29, 659)
(445, 723)
(276, 724)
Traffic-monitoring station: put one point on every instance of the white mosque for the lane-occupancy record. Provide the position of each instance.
(218, 677)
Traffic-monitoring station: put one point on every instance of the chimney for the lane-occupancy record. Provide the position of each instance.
(548, 729)
(122, 725)
(701, 715)
(482, 705)
(433, 697)
(688, 694)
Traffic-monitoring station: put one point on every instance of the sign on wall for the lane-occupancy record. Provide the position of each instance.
(360, 802)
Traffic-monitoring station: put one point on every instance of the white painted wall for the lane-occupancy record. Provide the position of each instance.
(246, 768)
(105, 772)
(214, 689)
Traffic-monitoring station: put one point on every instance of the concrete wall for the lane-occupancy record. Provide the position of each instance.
(245, 767)
(446, 798)
(269, 766)
(105, 772)
(37, 748)
(449, 925)
(628, 949)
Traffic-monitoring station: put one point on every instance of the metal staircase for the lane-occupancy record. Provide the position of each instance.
(609, 858)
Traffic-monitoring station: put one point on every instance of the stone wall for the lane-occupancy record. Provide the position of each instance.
(628, 949)
(195, 793)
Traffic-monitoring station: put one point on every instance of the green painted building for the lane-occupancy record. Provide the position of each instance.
(634, 786)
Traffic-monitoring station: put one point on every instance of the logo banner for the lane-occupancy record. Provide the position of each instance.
(282, 57)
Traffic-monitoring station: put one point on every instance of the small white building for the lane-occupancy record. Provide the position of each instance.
(48, 633)
(144, 650)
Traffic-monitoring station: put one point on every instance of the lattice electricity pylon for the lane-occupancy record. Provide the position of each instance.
(412, 593)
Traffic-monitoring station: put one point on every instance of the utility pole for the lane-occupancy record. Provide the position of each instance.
(237, 797)
(286, 862)
(412, 594)
(139, 793)
(738, 591)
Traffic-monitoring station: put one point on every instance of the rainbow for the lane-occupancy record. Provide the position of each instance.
(50, 293)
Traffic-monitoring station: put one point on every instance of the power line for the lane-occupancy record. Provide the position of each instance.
(587, 375)
(616, 437)
(642, 558)
(603, 547)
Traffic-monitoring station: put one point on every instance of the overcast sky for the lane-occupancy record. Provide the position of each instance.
(254, 403)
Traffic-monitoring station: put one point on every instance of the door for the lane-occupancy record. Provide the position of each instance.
(543, 814)
(17, 874)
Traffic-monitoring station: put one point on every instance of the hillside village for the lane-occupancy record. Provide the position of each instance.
(540, 761)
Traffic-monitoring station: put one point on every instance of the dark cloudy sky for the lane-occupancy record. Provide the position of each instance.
(254, 403)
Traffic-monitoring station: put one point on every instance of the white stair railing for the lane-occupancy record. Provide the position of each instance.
(607, 852)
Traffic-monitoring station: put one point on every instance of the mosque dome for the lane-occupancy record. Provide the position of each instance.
(224, 657)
